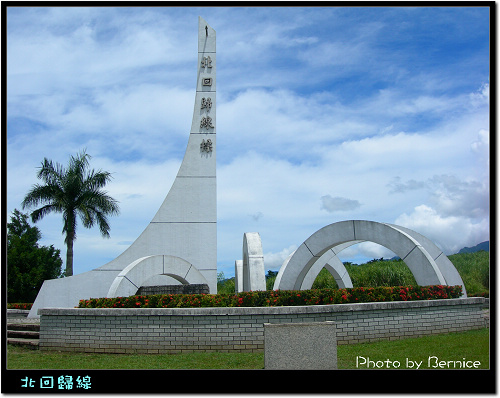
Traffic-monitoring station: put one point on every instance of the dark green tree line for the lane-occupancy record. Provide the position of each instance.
(28, 263)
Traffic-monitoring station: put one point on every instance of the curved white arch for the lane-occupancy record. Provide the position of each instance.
(415, 250)
(136, 273)
(253, 263)
(444, 264)
(332, 263)
(336, 268)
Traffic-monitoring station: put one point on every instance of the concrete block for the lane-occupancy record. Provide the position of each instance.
(300, 345)
(253, 263)
(238, 276)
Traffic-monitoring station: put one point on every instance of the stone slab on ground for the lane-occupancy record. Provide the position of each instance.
(17, 314)
(300, 345)
(30, 343)
(29, 321)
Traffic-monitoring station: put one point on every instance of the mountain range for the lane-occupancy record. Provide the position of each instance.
(480, 246)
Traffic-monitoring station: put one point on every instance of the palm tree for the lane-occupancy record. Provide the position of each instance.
(72, 191)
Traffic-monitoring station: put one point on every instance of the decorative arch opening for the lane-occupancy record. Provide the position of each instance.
(425, 260)
(136, 273)
(333, 265)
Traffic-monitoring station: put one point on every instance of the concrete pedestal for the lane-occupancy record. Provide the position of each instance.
(300, 346)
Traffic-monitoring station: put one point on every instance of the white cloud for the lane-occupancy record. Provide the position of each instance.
(360, 252)
(454, 212)
(481, 97)
(400, 187)
(450, 233)
(273, 261)
(452, 196)
(277, 122)
(337, 203)
(257, 216)
(449, 194)
(481, 146)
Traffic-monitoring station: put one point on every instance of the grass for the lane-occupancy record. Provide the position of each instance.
(472, 345)
(24, 358)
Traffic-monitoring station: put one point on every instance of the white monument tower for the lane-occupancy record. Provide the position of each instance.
(180, 242)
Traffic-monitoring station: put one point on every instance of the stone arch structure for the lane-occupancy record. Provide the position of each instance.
(426, 261)
(136, 273)
(332, 263)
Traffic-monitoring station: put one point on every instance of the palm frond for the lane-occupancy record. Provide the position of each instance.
(78, 164)
(40, 194)
(104, 227)
(94, 206)
(51, 173)
(97, 179)
(38, 214)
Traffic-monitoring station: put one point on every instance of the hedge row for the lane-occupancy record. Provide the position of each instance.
(19, 306)
(272, 298)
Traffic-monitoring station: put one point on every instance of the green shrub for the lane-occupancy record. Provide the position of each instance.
(381, 273)
(226, 286)
(19, 306)
(474, 268)
(325, 280)
(274, 298)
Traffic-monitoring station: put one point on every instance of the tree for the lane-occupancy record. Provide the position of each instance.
(73, 191)
(28, 264)
(271, 274)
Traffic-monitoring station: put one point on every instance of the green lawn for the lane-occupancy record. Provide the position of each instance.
(472, 345)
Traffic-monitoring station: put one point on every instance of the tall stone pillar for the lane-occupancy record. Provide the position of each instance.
(180, 242)
(185, 226)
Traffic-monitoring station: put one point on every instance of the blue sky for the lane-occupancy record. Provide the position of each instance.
(324, 114)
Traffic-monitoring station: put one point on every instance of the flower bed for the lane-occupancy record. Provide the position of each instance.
(273, 298)
(19, 306)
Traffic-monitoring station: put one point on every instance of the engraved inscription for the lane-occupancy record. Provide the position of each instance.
(206, 103)
(206, 122)
(206, 62)
(206, 146)
(206, 81)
